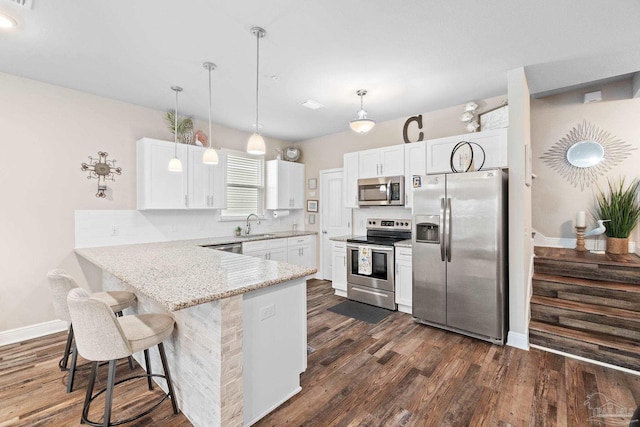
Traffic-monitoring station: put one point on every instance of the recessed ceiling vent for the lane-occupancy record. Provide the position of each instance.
(27, 4)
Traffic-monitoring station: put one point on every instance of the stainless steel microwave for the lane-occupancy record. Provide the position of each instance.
(383, 191)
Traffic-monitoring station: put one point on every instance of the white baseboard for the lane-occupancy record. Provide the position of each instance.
(518, 340)
(584, 359)
(32, 331)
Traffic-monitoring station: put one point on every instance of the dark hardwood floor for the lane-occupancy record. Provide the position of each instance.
(394, 373)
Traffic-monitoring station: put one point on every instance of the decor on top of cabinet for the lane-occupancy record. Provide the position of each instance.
(586, 153)
(184, 126)
(101, 169)
(469, 116)
(621, 207)
(291, 154)
(497, 118)
(465, 157)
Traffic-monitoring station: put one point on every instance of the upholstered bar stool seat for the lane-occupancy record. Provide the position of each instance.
(60, 283)
(101, 337)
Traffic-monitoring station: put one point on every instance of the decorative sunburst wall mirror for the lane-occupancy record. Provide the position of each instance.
(586, 153)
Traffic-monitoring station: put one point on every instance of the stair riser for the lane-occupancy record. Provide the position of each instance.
(611, 273)
(598, 296)
(590, 351)
(623, 328)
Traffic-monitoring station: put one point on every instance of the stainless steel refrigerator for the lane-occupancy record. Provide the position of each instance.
(459, 245)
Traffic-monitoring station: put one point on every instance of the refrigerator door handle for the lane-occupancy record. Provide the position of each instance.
(448, 230)
(441, 227)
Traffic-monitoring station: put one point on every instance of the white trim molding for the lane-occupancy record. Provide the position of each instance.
(38, 330)
(518, 340)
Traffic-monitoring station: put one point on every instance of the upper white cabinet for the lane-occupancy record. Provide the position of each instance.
(198, 186)
(285, 185)
(206, 183)
(385, 161)
(415, 164)
(350, 178)
(493, 142)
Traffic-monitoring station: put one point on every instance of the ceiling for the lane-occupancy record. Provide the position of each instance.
(412, 56)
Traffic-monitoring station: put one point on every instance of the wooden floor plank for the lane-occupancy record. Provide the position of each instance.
(394, 373)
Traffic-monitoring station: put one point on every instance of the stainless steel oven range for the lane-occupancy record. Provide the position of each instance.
(371, 262)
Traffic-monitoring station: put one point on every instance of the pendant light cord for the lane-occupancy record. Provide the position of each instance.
(210, 136)
(257, 79)
(175, 128)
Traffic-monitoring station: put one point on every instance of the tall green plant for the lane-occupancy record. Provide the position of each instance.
(184, 124)
(621, 206)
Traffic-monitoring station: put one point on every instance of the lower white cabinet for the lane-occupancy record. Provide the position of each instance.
(404, 280)
(302, 251)
(272, 249)
(339, 268)
(294, 250)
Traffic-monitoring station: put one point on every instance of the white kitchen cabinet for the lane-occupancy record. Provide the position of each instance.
(385, 161)
(350, 177)
(404, 280)
(198, 186)
(272, 249)
(285, 185)
(415, 164)
(493, 142)
(339, 268)
(206, 183)
(302, 251)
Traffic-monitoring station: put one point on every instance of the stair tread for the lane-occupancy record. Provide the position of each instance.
(601, 284)
(571, 255)
(586, 308)
(591, 337)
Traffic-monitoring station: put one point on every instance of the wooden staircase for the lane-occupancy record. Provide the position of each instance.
(587, 305)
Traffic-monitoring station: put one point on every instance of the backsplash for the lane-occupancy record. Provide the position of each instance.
(392, 212)
(123, 227)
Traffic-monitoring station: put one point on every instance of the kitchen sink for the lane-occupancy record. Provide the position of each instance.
(250, 236)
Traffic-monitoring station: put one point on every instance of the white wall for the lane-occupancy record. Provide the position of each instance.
(47, 131)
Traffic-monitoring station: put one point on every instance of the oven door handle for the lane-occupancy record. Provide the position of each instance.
(372, 247)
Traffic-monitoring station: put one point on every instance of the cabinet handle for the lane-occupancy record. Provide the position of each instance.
(344, 260)
(377, 169)
(381, 169)
(186, 200)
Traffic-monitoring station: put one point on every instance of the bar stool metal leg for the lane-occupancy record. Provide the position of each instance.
(67, 350)
(109, 396)
(72, 370)
(87, 398)
(167, 375)
(147, 363)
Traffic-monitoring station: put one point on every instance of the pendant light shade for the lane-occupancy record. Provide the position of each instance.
(210, 156)
(362, 124)
(175, 165)
(256, 144)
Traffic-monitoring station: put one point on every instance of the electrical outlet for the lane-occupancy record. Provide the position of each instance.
(267, 312)
(115, 230)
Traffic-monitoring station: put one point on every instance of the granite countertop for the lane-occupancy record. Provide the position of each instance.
(341, 238)
(403, 244)
(182, 274)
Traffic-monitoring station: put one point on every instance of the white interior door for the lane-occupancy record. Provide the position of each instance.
(335, 219)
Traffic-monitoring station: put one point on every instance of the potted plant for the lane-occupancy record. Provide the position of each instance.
(185, 126)
(238, 231)
(621, 206)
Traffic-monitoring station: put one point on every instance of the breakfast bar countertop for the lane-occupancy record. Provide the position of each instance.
(182, 274)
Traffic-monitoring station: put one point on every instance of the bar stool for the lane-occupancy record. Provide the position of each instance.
(101, 337)
(60, 283)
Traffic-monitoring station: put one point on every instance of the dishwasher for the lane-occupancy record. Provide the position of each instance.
(235, 248)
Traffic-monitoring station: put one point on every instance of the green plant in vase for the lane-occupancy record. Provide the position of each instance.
(184, 128)
(621, 206)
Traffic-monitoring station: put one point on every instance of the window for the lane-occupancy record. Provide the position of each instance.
(245, 186)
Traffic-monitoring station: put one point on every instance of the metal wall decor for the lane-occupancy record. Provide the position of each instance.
(101, 169)
(586, 153)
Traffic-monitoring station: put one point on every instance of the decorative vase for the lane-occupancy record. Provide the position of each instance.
(617, 246)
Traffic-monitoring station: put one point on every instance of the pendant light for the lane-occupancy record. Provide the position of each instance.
(210, 156)
(362, 124)
(175, 165)
(256, 145)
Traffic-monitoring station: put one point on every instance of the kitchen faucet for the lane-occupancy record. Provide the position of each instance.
(248, 227)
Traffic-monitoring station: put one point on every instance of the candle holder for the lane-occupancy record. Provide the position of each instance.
(580, 239)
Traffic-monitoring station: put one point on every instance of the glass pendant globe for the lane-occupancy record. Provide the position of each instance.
(256, 145)
(175, 165)
(210, 157)
(362, 125)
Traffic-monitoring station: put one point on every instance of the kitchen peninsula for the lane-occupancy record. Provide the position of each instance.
(240, 340)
